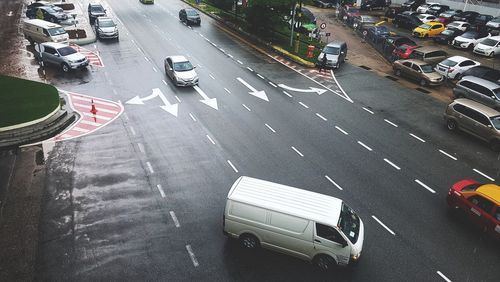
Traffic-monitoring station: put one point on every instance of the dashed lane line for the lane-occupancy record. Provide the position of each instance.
(141, 148)
(483, 174)
(232, 166)
(246, 107)
(333, 182)
(321, 117)
(192, 117)
(210, 139)
(425, 186)
(259, 75)
(443, 276)
(448, 155)
(272, 84)
(150, 167)
(132, 130)
(392, 164)
(270, 128)
(368, 110)
(365, 146)
(297, 151)
(250, 69)
(416, 137)
(383, 225)
(341, 130)
(287, 94)
(174, 218)
(227, 90)
(304, 105)
(162, 193)
(177, 98)
(192, 256)
(390, 122)
(211, 76)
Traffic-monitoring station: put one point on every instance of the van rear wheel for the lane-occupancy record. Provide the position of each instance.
(324, 262)
(249, 242)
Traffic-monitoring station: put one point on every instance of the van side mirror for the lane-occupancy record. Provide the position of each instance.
(344, 244)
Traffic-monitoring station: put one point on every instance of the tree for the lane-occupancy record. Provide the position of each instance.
(265, 15)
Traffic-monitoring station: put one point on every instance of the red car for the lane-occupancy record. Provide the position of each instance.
(403, 52)
(479, 202)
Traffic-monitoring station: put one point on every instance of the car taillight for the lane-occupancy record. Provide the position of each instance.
(457, 193)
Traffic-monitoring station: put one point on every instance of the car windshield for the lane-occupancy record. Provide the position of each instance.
(489, 42)
(426, 68)
(448, 62)
(496, 122)
(106, 23)
(425, 26)
(331, 50)
(349, 223)
(183, 66)
(496, 20)
(469, 34)
(65, 51)
(191, 13)
(56, 31)
(97, 9)
(50, 10)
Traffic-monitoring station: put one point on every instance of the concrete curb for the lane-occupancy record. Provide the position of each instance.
(29, 123)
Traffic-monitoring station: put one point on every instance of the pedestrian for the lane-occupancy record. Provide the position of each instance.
(322, 63)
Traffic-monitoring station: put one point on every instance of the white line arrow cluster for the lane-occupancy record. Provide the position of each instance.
(259, 94)
(311, 89)
(169, 108)
(211, 102)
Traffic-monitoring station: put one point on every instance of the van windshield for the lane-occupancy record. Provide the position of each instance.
(56, 31)
(349, 223)
(332, 50)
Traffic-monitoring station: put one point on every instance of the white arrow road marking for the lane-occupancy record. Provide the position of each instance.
(207, 101)
(169, 108)
(259, 94)
(311, 89)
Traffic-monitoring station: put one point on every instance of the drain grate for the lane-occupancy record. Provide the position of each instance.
(365, 67)
(423, 90)
(391, 78)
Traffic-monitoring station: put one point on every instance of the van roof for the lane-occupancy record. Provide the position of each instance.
(41, 23)
(286, 199)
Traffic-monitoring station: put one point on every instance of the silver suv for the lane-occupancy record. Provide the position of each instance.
(478, 89)
(476, 119)
(60, 55)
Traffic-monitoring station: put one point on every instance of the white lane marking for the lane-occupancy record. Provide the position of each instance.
(368, 110)
(366, 147)
(272, 84)
(321, 117)
(383, 225)
(215, 45)
(232, 166)
(177, 98)
(164, 82)
(115, 92)
(260, 76)
(211, 76)
(304, 105)
(91, 123)
(146, 58)
(333, 182)
(270, 128)
(246, 107)
(390, 122)
(297, 151)
(83, 130)
(174, 218)
(230, 56)
(287, 94)
(141, 148)
(96, 116)
(132, 130)
(490, 178)
(250, 69)
(89, 100)
(341, 89)
(416, 137)
(222, 50)
(154, 69)
(133, 41)
(212, 141)
(125, 116)
(240, 62)
(192, 256)
(391, 163)
(448, 155)
(150, 167)
(139, 49)
(162, 193)
(341, 130)
(227, 90)
(425, 186)
(192, 117)
(443, 276)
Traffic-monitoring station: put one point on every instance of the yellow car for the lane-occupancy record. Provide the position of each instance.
(429, 29)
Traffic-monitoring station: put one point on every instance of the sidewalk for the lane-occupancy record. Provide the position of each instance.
(82, 23)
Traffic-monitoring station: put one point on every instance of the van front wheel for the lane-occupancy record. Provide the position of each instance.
(324, 262)
(249, 242)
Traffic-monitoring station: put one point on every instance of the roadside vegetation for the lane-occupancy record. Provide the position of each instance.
(24, 100)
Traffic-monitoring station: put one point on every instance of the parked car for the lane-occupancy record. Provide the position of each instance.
(437, 9)
(377, 33)
(403, 51)
(429, 54)
(488, 47)
(39, 31)
(324, 3)
(189, 16)
(374, 4)
(417, 70)
(447, 16)
(362, 22)
(47, 13)
(479, 90)
(31, 8)
(348, 13)
(412, 4)
(447, 36)
(469, 39)
(408, 22)
(336, 52)
(398, 40)
(180, 71)
(478, 202)
(465, 16)
(147, 1)
(484, 72)
(463, 26)
(429, 29)
(455, 66)
(95, 10)
(422, 9)
(105, 28)
(60, 55)
(480, 22)
(426, 18)
(494, 24)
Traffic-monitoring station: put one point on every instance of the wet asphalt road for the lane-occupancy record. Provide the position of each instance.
(135, 199)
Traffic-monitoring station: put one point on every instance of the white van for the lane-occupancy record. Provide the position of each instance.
(311, 226)
(39, 31)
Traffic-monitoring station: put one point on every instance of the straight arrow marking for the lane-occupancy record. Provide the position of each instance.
(211, 102)
(259, 94)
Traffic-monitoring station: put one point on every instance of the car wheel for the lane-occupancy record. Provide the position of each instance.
(492, 54)
(423, 82)
(451, 125)
(249, 242)
(398, 72)
(65, 67)
(324, 262)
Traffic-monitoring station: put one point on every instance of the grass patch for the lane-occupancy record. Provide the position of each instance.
(24, 100)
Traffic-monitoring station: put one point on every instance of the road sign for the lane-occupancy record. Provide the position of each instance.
(322, 26)
(327, 34)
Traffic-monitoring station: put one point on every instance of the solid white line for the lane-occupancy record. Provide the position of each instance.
(383, 225)
(287, 94)
(212, 141)
(270, 128)
(304, 105)
(248, 68)
(141, 147)
(162, 193)
(297, 151)
(240, 62)
(164, 82)
(191, 255)
(227, 90)
(272, 84)
(146, 58)
(150, 167)
(416, 137)
(211, 76)
(341, 130)
(174, 218)
(391, 163)
(443, 276)
(246, 107)
(192, 117)
(154, 69)
(390, 122)
(232, 166)
(371, 112)
(333, 182)
(425, 186)
(260, 76)
(490, 178)
(321, 117)
(177, 98)
(132, 130)
(448, 155)
(366, 147)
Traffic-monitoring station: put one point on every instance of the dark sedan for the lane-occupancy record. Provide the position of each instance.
(405, 21)
(447, 36)
(484, 72)
(189, 16)
(377, 33)
(466, 16)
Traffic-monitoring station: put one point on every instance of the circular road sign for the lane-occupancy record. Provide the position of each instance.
(322, 26)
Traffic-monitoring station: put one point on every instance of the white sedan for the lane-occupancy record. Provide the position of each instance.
(422, 9)
(463, 26)
(426, 18)
(453, 67)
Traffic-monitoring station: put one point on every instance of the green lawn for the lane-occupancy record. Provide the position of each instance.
(24, 100)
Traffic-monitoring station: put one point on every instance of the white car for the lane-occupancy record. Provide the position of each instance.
(463, 26)
(180, 71)
(453, 67)
(469, 40)
(488, 47)
(426, 18)
(422, 9)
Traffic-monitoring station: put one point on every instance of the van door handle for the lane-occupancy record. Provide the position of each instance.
(316, 240)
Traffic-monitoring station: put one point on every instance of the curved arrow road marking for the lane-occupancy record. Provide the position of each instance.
(172, 109)
(311, 89)
(259, 94)
(211, 102)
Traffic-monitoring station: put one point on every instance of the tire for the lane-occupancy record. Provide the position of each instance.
(423, 82)
(249, 242)
(451, 125)
(65, 67)
(398, 72)
(324, 262)
(492, 54)
(495, 145)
